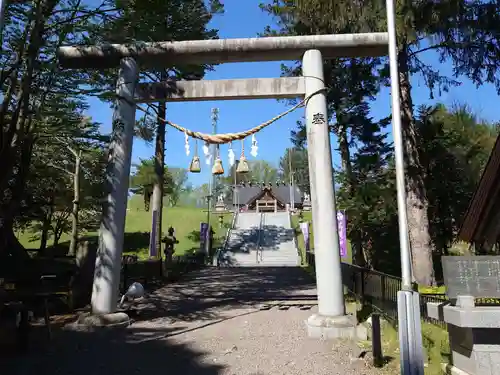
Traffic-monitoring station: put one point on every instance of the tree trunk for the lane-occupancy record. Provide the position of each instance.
(57, 234)
(157, 203)
(10, 204)
(416, 196)
(44, 236)
(46, 226)
(10, 247)
(76, 205)
(15, 138)
(345, 156)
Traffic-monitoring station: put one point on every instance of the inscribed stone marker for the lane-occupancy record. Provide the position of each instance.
(477, 276)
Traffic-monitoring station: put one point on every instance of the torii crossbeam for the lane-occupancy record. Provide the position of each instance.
(217, 51)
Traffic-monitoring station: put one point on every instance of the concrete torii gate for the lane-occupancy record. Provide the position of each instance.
(331, 320)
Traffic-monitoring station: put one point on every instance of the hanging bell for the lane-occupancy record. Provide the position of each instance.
(242, 165)
(218, 169)
(195, 166)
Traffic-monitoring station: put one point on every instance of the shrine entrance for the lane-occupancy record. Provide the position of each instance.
(310, 88)
(264, 205)
(267, 201)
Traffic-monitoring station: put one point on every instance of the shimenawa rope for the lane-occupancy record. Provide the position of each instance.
(230, 137)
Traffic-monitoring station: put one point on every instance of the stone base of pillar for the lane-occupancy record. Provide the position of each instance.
(89, 322)
(338, 327)
(452, 370)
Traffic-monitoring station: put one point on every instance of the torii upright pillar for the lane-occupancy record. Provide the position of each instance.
(109, 254)
(331, 320)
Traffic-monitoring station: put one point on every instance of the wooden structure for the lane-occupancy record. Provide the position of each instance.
(264, 205)
(266, 202)
(481, 225)
(265, 198)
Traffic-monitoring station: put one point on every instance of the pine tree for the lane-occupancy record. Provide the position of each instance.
(294, 166)
(464, 31)
(454, 147)
(152, 21)
(351, 83)
(34, 87)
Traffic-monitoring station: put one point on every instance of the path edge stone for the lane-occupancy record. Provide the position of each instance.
(89, 322)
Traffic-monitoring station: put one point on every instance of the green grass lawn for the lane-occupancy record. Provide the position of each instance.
(185, 220)
(435, 339)
(436, 348)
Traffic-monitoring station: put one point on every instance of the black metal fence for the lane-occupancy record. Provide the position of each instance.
(380, 290)
(151, 271)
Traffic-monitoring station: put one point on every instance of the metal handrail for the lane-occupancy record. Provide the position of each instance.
(259, 249)
(228, 233)
(235, 216)
(263, 223)
(294, 239)
(222, 249)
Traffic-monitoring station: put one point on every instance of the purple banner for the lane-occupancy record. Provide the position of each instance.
(203, 232)
(342, 228)
(305, 233)
(152, 236)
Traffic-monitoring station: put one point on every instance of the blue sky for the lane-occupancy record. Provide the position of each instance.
(244, 19)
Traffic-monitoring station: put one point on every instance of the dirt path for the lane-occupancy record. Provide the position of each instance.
(229, 321)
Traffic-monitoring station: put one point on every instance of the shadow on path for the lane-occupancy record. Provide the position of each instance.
(270, 238)
(203, 295)
(159, 340)
(112, 352)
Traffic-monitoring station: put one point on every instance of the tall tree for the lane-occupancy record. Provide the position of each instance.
(371, 205)
(454, 147)
(465, 31)
(83, 156)
(34, 86)
(294, 166)
(65, 179)
(351, 83)
(233, 177)
(179, 180)
(144, 178)
(260, 171)
(159, 20)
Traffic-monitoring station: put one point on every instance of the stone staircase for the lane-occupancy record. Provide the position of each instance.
(260, 240)
(277, 243)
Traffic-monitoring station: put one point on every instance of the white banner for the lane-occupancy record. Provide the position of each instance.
(304, 227)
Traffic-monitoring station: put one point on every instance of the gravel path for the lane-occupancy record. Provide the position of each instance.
(214, 322)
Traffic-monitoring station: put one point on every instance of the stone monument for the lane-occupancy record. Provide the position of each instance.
(306, 204)
(220, 206)
(473, 326)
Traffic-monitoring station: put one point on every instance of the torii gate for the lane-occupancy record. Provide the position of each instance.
(331, 320)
